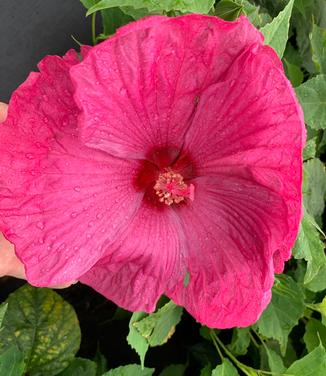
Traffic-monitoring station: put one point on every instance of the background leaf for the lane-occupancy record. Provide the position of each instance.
(174, 370)
(228, 10)
(313, 364)
(318, 44)
(135, 339)
(194, 6)
(225, 369)
(80, 367)
(309, 247)
(12, 362)
(276, 32)
(314, 334)
(277, 320)
(312, 96)
(158, 327)
(315, 190)
(44, 327)
(130, 370)
(3, 309)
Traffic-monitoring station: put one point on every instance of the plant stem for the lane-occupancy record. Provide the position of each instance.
(94, 28)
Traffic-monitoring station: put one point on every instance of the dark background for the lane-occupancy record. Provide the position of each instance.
(31, 29)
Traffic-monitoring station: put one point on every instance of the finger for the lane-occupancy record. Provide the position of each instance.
(9, 263)
(3, 111)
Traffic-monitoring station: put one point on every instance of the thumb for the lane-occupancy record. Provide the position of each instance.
(3, 111)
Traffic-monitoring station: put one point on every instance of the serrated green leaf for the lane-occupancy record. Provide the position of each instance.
(44, 327)
(313, 364)
(275, 362)
(312, 96)
(194, 6)
(130, 370)
(309, 247)
(12, 362)
(277, 320)
(80, 367)
(318, 44)
(314, 196)
(310, 149)
(315, 333)
(174, 370)
(225, 369)
(3, 309)
(135, 339)
(228, 10)
(158, 327)
(240, 341)
(253, 12)
(293, 73)
(318, 283)
(276, 33)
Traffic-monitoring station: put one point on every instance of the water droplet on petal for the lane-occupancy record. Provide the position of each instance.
(77, 189)
(29, 156)
(73, 214)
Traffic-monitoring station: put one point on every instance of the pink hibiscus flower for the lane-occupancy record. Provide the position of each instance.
(167, 162)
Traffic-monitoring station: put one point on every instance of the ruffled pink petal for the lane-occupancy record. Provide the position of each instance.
(61, 204)
(138, 91)
(232, 227)
(146, 261)
(252, 122)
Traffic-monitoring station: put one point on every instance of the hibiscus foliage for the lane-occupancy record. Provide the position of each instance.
(43, 332)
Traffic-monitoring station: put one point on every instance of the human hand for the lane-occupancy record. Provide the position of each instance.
(10, 265)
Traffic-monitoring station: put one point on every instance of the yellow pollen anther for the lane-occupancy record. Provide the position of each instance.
(171, 189)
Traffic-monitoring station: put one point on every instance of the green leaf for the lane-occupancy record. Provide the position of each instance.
(312, 96)
(314, 334)
(293, 73)
(321, 308)
(12, 362)
(240, 341)
(194, 6)
(158, 327)
(314, 196)
(174, 370)
(206, 371)
(277, 320)
(276, 32)
(44, 327)
(304, 7)
(309, 247)
(135, 339)
(3, 309)
(228, 10)
(80, 367)
(318, 283)
(313, 364)
(275, 362)
(101, 363)
(130, 370)
(113, 18)
(225, 369)
(318, 44)
(310, 149)
(88, 3)
(254, 13)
